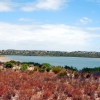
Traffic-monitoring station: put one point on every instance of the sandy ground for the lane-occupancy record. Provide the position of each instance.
(4, 59)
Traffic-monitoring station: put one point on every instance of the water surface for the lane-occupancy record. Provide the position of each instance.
(77, 62)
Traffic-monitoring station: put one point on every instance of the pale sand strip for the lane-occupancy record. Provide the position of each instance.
(4, 59)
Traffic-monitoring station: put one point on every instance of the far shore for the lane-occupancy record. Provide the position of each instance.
(4, 58)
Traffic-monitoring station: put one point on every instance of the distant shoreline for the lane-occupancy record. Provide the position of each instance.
(4, 58)
(51, 53)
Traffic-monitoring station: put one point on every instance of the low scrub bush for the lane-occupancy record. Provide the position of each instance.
(30, 72)
(26, 86)
(41, 70)
(8, 65)
(48, 69)
(36, 68)
(56, 69)
(24, 67)
(13, 62)
(76, 74)
(62, 73)
(71, 68)
(46, 64)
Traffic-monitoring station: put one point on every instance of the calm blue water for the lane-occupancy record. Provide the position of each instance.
(77, 62)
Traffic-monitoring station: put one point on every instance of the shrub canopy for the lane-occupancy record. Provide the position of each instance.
(8, 65)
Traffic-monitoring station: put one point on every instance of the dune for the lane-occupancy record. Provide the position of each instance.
(4, 58)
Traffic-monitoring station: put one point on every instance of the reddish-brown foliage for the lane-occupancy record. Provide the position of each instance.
(46, 86)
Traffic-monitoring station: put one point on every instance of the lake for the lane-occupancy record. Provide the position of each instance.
(77, 62)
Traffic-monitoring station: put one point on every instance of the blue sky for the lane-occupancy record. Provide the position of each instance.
(62, 25)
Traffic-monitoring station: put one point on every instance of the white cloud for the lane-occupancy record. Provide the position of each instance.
(93, 28)
(85, 20)
(7, 5)
(25, 19)
(44, 4)
(44, 36)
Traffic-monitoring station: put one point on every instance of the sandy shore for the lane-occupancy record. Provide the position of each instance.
(4, 59)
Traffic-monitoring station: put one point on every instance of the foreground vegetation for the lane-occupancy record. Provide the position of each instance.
(34, 81)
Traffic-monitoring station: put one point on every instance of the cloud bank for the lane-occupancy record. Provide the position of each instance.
(45, 36)
(9, 5)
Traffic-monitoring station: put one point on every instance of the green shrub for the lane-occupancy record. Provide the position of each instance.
(71, 68)
(46, 64)
(12, 61)
(44, 67)
(24, 67)
(8, 65)
(15, 62)
(56, 69)
(62, 73)
(41, 70)
(36, 68)
(48, 69)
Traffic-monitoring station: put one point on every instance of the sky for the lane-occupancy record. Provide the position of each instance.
(55, 25)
